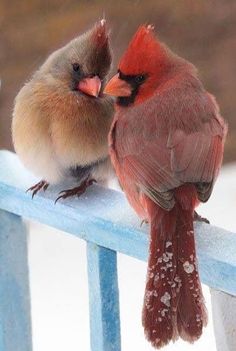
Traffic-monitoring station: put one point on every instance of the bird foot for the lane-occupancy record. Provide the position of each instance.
(198, 218)
(144, 221)
(78, 191)
(35, 188)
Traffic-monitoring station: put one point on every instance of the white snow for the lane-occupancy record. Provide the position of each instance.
(167, 256)
(59, 284)
(188, 267)
(166, 299)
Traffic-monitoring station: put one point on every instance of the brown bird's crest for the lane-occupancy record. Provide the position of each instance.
(100, 34)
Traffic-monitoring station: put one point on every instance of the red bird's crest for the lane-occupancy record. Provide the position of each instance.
(144, 53)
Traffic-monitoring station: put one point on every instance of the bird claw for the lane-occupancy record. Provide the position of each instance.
(79, 190)
(198, 218)
(35, 188)
(144, 221)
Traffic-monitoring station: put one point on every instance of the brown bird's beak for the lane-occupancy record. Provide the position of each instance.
(90, 86)
(117, 87)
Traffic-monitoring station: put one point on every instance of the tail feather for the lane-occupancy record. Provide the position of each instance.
(159, 318)
(173, 302)
(192, 314)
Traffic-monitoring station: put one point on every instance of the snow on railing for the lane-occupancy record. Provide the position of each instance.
(103, 218)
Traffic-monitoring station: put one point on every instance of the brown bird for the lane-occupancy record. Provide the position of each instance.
(61, 118)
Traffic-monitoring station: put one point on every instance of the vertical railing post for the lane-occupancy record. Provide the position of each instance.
(224, 320)
(103, 299)
(15, 321)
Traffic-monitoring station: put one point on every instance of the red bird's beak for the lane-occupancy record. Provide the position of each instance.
(117, 87)
(90, 86)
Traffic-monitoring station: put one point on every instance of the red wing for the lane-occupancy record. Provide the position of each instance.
(197, 157)
(158, 161)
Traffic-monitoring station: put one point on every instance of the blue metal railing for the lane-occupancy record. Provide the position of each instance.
(103, 218)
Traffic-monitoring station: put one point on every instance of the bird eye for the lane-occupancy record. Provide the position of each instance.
(140, 79)
(76, 67)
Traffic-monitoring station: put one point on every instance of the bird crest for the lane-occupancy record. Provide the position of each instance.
(143, 53)
(100, 34)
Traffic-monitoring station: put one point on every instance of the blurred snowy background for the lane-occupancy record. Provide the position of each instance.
(59, 284)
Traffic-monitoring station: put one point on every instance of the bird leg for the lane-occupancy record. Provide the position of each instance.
(144, 221)
(79, 190)
(40, 185)
(198, 218)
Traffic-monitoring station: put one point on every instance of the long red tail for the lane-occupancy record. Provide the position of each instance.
(173, 303)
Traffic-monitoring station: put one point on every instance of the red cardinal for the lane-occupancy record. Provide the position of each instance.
(166, 144)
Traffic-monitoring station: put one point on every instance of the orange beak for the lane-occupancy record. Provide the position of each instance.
(117, 87)
(90, 86)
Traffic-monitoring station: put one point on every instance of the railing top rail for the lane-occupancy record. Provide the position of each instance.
(104, 217)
